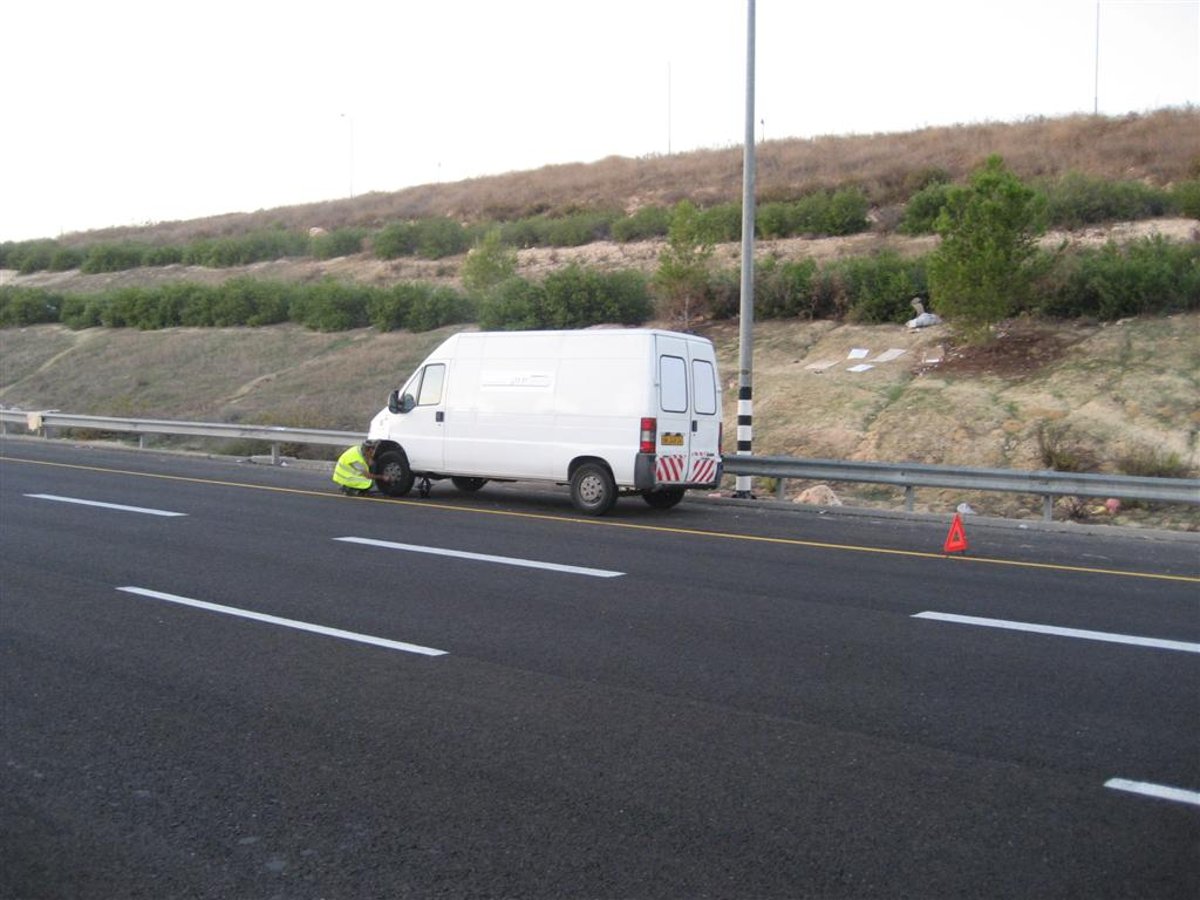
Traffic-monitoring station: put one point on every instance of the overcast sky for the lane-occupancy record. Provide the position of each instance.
(128, 112)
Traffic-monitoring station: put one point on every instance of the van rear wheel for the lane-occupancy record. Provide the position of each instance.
(593, 490)
(394, 465)
(663, 499)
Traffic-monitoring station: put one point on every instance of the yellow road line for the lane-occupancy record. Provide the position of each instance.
(661, 529)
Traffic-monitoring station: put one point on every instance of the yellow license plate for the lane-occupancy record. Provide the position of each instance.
(672, 440)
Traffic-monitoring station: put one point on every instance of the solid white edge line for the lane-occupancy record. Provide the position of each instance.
(118, 506)
(1160, 791)
(287, 623)
(1156, 643)
(483, 557)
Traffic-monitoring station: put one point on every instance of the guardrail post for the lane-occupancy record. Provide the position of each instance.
(275, 454)
(1047, 507)
(780, 484)
(909, 490)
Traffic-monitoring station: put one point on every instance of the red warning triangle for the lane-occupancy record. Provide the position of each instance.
(956, 540)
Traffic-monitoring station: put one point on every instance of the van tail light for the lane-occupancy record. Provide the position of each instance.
(649, 436)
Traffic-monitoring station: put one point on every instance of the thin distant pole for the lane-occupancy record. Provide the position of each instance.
(1096, 96)
(668, 107)
(745, 405)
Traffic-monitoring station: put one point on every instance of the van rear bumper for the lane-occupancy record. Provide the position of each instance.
(643, 475)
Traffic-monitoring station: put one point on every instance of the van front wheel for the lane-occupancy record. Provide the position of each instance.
(394, 466)
(593, 490)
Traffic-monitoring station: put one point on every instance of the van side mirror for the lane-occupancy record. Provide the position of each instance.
(398, 404)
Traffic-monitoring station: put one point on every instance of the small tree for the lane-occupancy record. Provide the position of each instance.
(488, 264)
(682, 276)
(982, 271)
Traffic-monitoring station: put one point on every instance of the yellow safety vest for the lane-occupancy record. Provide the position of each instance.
(351, 469)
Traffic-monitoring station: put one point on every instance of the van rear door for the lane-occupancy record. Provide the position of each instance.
(689, 416)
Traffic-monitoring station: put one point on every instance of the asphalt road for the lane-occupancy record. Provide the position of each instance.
(278, 691)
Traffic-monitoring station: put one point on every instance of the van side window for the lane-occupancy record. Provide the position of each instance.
(705, 381)
(672, 376)
(431, 385)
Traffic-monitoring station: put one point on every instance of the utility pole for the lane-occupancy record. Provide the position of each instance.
(745, 404)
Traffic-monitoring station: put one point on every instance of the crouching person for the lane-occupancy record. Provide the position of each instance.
(353, 470)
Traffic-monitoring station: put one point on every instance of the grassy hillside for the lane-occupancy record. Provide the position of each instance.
(1122, 396)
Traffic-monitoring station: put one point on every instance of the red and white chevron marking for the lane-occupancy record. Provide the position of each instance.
(704, 470)
(670, 468)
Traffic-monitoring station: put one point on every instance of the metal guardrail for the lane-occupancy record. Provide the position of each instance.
(1046, 484)
(909, 476)
(43, 422)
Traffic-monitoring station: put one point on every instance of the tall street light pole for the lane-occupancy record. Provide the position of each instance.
(745, 404)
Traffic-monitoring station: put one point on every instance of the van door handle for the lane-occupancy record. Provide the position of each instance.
(695, 426)
(439, 416)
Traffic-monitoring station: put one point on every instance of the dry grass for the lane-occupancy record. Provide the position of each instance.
(1159, 148)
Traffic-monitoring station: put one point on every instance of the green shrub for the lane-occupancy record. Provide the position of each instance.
(395, 240)
(439, 237)
(784, 290)
(1185, 198)
(723, 294)
(113, 257)
(775, 220)
(834, 213)
(523, 233)
(28, 257)
(66, 258)
(28, 306)
(387, 309)
(331, 306)
(513, 305)
(82, 311)
(881, 287)
(722, 223)
(646, 223)
(163, 255)
(250, 301)
(1151, 275)
(847, 213)
(341, 242)
(1076, 200)
(257, 246)
(577, 229)
(190, 303)
(576, 297)
(923, 208)
(433, 307)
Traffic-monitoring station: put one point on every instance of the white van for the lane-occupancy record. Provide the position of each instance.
(607, 411)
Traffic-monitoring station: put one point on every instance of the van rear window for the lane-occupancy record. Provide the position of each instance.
(704, 378)
(672, 376)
